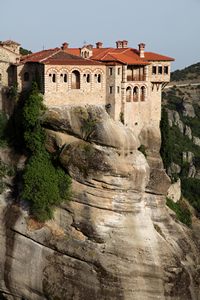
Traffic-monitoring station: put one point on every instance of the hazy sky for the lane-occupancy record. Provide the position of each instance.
(168, 27)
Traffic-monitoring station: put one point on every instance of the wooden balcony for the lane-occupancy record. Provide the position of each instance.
(136, 78)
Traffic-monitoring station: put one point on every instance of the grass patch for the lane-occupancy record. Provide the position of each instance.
(191, 191)
(183, 214)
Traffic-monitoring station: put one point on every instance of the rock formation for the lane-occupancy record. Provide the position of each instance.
(115, 239)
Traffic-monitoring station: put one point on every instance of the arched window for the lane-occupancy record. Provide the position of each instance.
(135, 94)
(26, 76)
(99, 78)
(128, 94)
(63, 77)
(54, 77)
(75, 80)
(142, 93)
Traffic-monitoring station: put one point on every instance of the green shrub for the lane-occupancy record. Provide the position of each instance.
(3, 124)
(44, 186)
(5, 170)
(191, 191)
(182, 212)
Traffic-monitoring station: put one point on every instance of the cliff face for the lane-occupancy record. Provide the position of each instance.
(115, 239)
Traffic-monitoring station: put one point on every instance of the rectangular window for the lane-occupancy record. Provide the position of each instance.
(154, 70)
(110, 71)
(118, 89)
(118, 71)
(166, 70)
(160, 70)
(111, 89)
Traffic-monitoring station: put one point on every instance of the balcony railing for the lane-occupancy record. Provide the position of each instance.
(136, 78)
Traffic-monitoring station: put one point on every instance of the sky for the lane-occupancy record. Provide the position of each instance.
(168, 27)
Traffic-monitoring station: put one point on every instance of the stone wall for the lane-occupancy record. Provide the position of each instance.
(156, 77)
(62, 92)
(30, 72)
(114, 90)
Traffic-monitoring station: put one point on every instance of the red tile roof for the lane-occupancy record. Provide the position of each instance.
(72, 56)
(121, 55)
(39, 56)
(150, 56)
(57, 57)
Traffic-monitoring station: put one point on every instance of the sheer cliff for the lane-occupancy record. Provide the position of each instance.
(115, 239)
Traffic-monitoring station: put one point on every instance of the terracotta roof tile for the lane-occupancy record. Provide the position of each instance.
(150, 56)
(39, 56)
(100, 55)
(122, 55)
(73, 51)
(57, 57)
(128, 55)
(63, 58)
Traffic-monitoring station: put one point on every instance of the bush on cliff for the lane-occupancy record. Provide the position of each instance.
(166, 146)
(182, 212)
(3, 124)
(45, 184)
(191, 191)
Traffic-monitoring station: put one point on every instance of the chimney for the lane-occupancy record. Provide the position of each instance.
(141, 49)
(124, 44)
(64, 46)
(90, 47)
(119, 44)
(99, 45)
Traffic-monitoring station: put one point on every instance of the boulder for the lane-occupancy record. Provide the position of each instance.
(188, 110)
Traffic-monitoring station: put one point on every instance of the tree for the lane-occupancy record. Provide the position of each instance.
(45, 184)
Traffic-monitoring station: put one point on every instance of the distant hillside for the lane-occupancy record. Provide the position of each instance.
(191, 74)
(181, 131)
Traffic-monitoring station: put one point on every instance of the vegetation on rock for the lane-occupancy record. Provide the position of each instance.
(3, 125)
(24, 51)
(181, 108)
(183, 214)
(189, 73)
(45, 183)
(166, 145)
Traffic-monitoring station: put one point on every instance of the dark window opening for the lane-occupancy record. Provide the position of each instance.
(0, 77)
(128, 94)
(118, 71)
(54, 78)
(110, 71)
(160, 70)
(135, 94)
(142, 94)
(75, 80)
(88, 78)
(26, 76)
(118, 89)
(154, 70)
(65, 77)
(111, 89)
(99, 78)
(166, 70)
